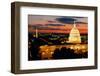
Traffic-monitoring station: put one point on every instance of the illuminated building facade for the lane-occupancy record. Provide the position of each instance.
(74, 36)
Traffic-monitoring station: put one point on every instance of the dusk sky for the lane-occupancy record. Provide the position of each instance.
(56, 24)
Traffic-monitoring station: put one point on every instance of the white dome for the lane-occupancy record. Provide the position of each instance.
(74, 36)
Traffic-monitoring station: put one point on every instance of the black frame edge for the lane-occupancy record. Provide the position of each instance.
(13, 37)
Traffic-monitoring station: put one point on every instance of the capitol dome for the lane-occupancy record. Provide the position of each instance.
(74, 36)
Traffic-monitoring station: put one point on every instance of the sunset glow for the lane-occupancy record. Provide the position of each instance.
(50, 24)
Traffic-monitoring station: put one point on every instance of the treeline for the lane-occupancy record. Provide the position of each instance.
(67, 53)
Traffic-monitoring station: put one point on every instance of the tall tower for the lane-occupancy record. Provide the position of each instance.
(74, 36)
(36, 33)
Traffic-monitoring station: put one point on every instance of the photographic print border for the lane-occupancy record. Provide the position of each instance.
(15, 36)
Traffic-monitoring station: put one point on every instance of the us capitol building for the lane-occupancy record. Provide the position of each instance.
(74, 36)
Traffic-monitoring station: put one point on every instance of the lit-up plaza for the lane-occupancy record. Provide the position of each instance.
(47, 51)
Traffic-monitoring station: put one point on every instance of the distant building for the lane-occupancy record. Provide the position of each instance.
(74, 36)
